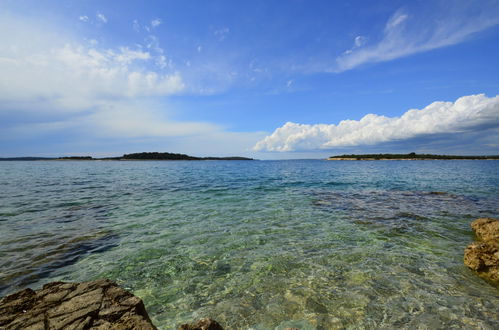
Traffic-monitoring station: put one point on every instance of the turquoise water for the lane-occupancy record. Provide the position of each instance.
(258, 244)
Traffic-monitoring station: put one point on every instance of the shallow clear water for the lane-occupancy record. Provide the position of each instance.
(258, 244)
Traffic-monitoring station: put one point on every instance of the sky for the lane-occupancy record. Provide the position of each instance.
(268, 79)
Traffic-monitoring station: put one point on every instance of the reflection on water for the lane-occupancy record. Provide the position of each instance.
(260, 245)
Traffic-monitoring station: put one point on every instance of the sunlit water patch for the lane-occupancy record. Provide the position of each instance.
(259, 245)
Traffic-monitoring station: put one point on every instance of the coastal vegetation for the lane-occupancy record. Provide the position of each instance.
(173, 156)
(409, 156)
(133, 156)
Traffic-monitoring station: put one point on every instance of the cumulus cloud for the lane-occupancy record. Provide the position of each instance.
(101, 98)
(466, 114)
(407, 33)
(59, 84)
(73, 73)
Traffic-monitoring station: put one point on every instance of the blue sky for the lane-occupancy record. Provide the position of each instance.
(266, 79)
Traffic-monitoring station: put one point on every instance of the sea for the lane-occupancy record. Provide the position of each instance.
(307, 244)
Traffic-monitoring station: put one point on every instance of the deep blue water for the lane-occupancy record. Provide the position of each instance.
(258, 244)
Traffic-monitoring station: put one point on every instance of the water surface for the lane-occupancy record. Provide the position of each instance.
(258, 244)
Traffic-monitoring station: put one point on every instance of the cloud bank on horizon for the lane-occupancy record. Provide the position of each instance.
(467, 114)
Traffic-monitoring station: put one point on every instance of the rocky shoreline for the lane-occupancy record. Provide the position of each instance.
(483, 256)
(99, 304)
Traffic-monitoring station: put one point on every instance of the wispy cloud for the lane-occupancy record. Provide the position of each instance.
(101, 17)
(473, 113)
(136, 25)
(359, 41)
(156, 22)
(83, 18)
(406, 33)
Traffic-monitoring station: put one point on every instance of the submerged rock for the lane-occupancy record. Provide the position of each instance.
(203, 324)
(38, 259)
(483, 256)
(100, 304)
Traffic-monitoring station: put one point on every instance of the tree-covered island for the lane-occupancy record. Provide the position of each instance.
(410, 156)
(173, 156)
(133, 156)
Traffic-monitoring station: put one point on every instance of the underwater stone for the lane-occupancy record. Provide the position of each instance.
(203, 324)
(483, 256)
(99, 304)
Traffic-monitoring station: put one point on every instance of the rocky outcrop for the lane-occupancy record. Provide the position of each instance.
(100, 304)
(486, 229)
(483, 256)
(203, 324)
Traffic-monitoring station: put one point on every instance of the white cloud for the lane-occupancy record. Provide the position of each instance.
(394, 21)
(83, 18)
(406, 34)
(359, 41)
(161, 61)
(139, 119)
(101, 17)
(156, 22)
(127, 56)
(468, 113)
(101, 97)
(138, 123)
(152, 42)
(61, 78)
(73, 74)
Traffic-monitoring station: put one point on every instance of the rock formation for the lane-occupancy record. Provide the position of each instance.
(483, 256)
(100, 304)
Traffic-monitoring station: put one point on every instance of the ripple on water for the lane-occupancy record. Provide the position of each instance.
(260, 245)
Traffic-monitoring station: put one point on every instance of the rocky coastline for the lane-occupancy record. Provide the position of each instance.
(98, 305)
(482, 256)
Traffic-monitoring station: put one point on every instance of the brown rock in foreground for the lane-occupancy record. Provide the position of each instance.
(100, 304)
(483, 256)
(486, 228)
(203, 324)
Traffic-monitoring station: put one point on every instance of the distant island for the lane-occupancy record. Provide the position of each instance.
(172, 156)
(410, 156)
(134, 156)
